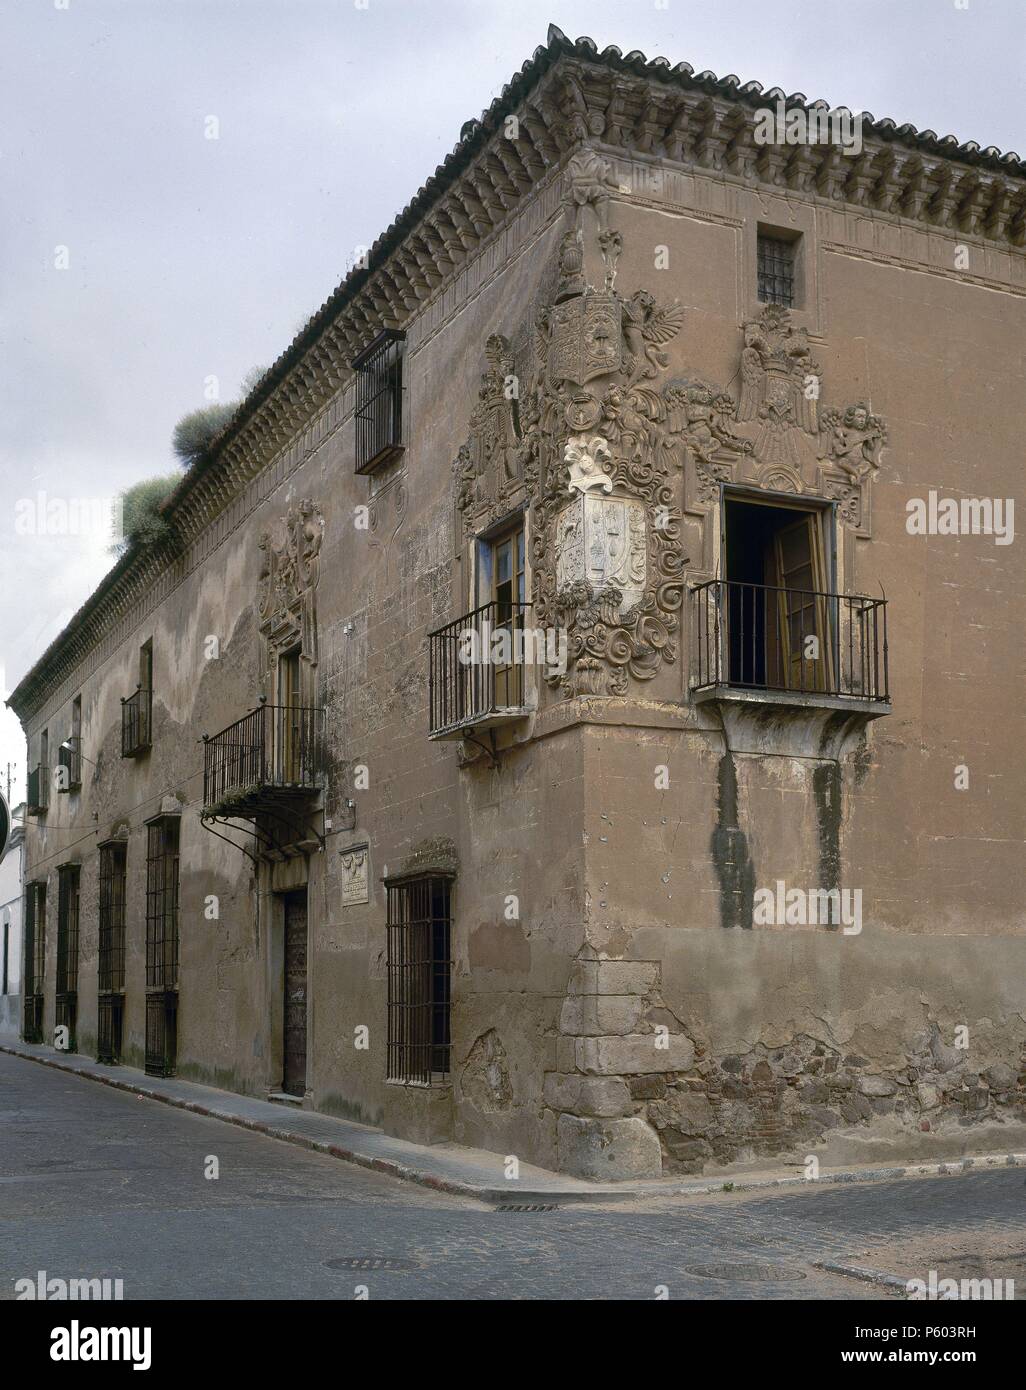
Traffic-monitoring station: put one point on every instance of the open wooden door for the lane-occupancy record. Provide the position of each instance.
(799, 573)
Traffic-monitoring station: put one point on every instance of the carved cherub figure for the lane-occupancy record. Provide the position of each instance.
(854, 439)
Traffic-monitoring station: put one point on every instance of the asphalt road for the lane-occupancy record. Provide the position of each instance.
(99, 1183)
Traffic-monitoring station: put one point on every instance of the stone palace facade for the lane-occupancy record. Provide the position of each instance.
(578, 710)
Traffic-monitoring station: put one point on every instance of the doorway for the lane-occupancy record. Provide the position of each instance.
(780, 620)
(294, 1013)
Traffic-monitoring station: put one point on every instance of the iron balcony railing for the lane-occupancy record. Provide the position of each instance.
(136, 723)
(69, 760)
(37, 797)
(274, 747)
(803, 641)
(477, 667)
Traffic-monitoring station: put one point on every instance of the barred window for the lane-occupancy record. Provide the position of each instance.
(776, 270)
(35, 938)
(419, 975)
(162, 903)
(34, 974)
(113, 863)
(379, 400)
(67, 929)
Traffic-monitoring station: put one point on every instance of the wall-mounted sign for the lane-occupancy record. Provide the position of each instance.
(355, 881)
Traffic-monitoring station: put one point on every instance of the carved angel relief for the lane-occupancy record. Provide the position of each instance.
(778, 436)
(489, 466)
(288, 579)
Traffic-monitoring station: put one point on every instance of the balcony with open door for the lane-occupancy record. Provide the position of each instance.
(478, 662)
(774, 630)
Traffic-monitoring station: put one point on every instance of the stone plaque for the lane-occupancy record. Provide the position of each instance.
(355, 875)
(602, 540)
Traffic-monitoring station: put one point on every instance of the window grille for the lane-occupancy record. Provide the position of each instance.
(111, 953)
(162, 903)
(110, 1027)
(67, 929)
(35, 961)
(419, 979)
(113, 863)
(161, 1033)
(136, 722)
(379, 400)
(69, 760)
(776, 270)
(38, 794)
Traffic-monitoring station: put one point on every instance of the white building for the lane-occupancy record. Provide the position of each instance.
(11, 894)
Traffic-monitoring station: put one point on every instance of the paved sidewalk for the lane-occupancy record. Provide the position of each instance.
(450, 1168)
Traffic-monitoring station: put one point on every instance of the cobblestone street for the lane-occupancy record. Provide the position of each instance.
(98, 1183)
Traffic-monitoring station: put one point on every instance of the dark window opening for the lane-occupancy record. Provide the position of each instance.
(67, 951)
(111, 953)
(379, 400)
(162, 850)
(776, 263)
(69, 754)
(419, 979)
(34, 965)
(162, 903)
(137, 710)
(780, 617)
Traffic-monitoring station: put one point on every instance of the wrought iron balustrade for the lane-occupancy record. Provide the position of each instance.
(802, 641)
(477, 668)
(273, 749)
(136, 723)
(37, 796)
(69, 760)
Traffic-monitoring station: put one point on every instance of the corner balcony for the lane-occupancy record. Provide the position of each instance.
(478, 671)
(798, 649)
(268, 761)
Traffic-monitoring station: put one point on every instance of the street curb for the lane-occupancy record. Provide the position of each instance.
(623, 1192)
(864, 1273)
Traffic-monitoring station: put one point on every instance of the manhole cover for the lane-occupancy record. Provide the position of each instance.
(767, 1273)
(526, 1206)
(370, 1262)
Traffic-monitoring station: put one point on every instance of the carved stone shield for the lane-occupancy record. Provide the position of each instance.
(587, 338)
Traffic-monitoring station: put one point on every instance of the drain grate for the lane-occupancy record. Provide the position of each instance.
(370, 1262)
(526, 1206)
(742, 1272)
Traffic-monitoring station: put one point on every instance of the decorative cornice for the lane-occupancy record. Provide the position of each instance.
(566, 94)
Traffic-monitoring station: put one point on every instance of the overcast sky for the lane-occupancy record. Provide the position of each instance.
(190, 258)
